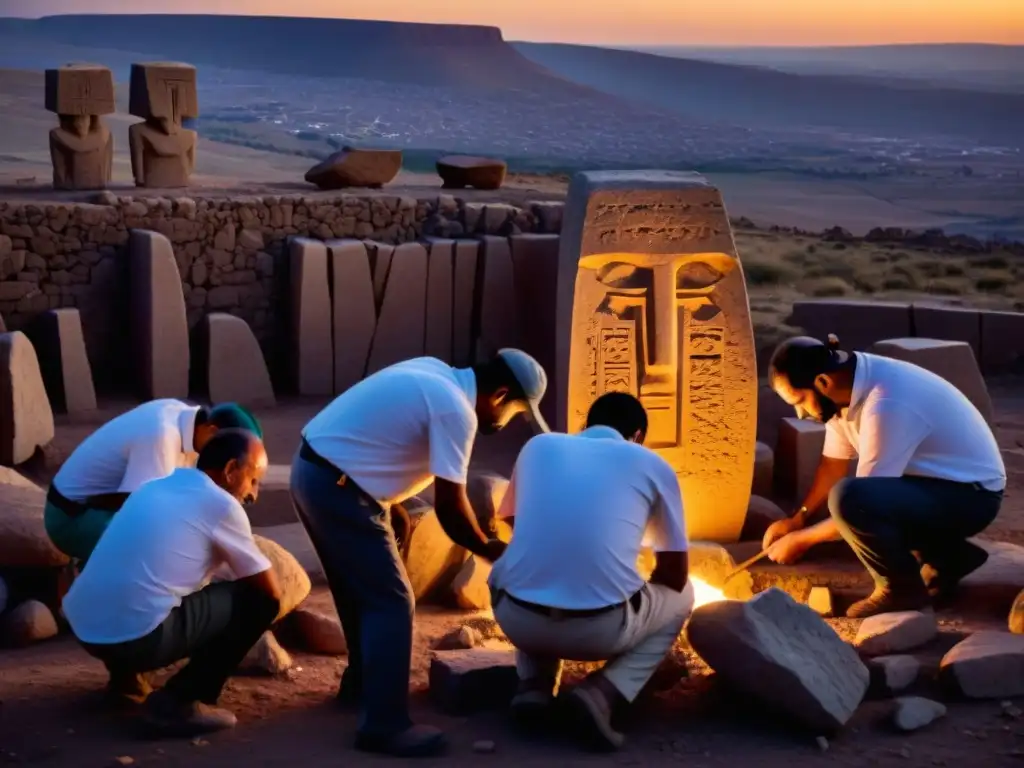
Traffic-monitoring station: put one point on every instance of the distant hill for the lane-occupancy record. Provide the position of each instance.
(759, 97)
(434, 54)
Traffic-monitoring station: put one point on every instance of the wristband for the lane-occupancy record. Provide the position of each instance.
(801, 515)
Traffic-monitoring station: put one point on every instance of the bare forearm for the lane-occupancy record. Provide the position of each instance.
(458, 519)
(824, 531)
(830, 471)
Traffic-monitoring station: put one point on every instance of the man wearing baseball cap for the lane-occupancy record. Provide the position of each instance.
(377, 444)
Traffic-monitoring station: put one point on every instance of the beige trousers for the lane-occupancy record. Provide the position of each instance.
(633, 642)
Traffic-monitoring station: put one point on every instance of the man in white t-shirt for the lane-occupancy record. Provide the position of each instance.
(145, 443)
(929, 475)
(140, 603)
(568, 587)
(380, 442)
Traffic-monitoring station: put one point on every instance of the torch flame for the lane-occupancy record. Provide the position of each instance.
(704, 593)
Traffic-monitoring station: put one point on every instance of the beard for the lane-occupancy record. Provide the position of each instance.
(249, 500)
(826, 407)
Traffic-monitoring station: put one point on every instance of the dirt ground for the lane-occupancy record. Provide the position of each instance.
(51, 712)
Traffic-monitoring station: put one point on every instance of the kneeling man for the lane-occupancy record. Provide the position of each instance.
(145, 443)
(140, 604)
(568, 587)
(929, 474)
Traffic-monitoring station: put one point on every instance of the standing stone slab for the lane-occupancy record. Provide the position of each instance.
(1002, 341)
(987, 665)
(159, 323)
(381, 255)
(26, 420)
(60, 346)
(938, 321)
(400, 327)
(471, 680)
(464, 328)
(857, 323)
(797, 456)
(440, 288)
(499, 318)
(535, 260)
(784, 654)
(353, 311)
(312, 345)
(651, 300)
(235, 368)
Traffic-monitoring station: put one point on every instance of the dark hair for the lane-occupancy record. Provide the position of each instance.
(801, 359)
(225, 445)
(495, 374)
(620, 411)
(229, 416)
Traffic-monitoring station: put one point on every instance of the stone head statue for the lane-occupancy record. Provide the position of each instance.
(80, 90)
(164, 94)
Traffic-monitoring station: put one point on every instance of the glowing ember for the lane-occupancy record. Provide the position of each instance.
(704, 593)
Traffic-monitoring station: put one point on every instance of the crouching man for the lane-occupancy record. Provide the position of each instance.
(140, 604)
(568, 587)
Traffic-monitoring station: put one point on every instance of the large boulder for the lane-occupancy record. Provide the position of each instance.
(294, 581)
(470, 588)
(353, 167)
(486, 490)
(461, 171)
(987, 665)
(312, 632)
(784, 654)
(29, 623)
(23, 539)
(26, 419)
(432, 560)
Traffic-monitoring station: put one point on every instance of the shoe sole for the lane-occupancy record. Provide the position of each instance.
(586, 719)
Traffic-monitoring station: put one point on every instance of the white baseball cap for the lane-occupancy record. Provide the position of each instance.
(532, 380)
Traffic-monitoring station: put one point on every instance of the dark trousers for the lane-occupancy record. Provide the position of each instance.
(886, 519)
(356, 544)
(213, 628)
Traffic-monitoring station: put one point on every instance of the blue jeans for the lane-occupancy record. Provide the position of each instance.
(886, 519)
(356, 545)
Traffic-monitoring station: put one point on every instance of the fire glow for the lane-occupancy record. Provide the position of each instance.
(704, 593)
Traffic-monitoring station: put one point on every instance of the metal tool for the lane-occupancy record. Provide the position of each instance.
(745, 564)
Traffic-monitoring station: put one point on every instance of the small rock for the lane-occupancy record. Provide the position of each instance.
(461, 639)
(914, 712)
(820, 600)
(822, 743)
(28, 623)
(987, 665)
(892, 674)
(1017, 615)
(895, 632)
(313, 632)
(484, 747)
(467, 681)
(267, 656)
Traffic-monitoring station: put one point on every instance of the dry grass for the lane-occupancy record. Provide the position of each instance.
(782, 268)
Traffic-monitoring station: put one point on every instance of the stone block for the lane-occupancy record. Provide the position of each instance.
(913, 713)
(164, 90)
(954, 361)
(312, 632)
(783, 654)
(499, 316)
(440, 288)
(797, 456)
(27, 623)
(1002, 341)
(987, 665)
(60, 346)
(858, 324)
(820, 601)
(949, 323)
(400, 326)
(235, 368)
(464, 297)
(159, 323)
(294, 581)
(892, 674)
(354, 311)
(462, 682)
(461, 171)
(311, 340)
(24, 542)
(26, 419)
(651, 300)
(764, 470)
(889, 633)
(353, 167)
(80, 90)
(992, 589)
(470, 588)
(535, 262)
(760, 515)
(433, 560)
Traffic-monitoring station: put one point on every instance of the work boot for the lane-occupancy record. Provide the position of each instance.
(890, 600)
(166, 716)
(531, 706)
(350, 691)
(942, 582)
(414, 741)
(590, 709)
(127, 688)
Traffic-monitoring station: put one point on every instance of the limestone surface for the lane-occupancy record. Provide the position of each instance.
(857, 323)
(650, 299)
(467, 254)
(433, 560)
(163, 94)
(820, 601)
(81, 148)
(314, 632)
(400, 324)
(353, 167)
(535, 262)
(889, 633)
(60, 346)
(440, 285)
(784, 654)
(461, 171)
(987, 665)
(941, 321)
(470, 587)
(913, 713)
(353, 310)
(954, 361)
(797, 455)
(472, 680)
(267, 657)
(235, 368)
(892, 674)
(28, 623)
(292, 577)
(312, 343)
(26, 419)
(764, 470)
(159, 324)
(499, 317)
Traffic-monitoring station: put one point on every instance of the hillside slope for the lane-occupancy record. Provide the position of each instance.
(767, 98)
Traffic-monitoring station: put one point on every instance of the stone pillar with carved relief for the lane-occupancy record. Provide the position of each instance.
(163, 151)
(81, 147)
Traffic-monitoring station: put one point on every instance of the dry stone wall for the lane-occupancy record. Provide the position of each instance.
(231, 255)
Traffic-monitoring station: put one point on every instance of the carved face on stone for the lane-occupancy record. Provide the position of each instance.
(164, 94)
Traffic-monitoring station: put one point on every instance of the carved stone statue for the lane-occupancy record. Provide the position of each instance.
(651, 301)
(82, 149)
(163, 152)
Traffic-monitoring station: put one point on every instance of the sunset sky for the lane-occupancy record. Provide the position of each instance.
(651, 22)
